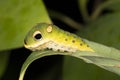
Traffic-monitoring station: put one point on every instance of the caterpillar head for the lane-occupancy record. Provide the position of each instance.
(39, 36)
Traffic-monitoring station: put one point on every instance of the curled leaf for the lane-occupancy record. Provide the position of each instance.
(105, 57)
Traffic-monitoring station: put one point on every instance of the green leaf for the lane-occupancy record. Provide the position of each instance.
(104, 30)
(104, 57)
(76, 69)
(34, 56)
(16, 18)
(4, 56)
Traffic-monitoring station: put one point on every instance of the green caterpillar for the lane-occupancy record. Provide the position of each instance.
(45, 35)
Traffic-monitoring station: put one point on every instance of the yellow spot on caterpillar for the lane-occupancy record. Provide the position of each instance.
(49, 29)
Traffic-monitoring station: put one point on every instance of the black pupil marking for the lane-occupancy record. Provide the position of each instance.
(38, 36)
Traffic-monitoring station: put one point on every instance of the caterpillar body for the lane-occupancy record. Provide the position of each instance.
(45, 35)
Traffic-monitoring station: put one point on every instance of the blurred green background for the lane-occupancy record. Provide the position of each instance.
(95, 20)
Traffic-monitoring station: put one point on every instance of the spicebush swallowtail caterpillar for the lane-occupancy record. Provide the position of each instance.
(45, 35)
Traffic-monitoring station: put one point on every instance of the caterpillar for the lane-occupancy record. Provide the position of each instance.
(45, 35)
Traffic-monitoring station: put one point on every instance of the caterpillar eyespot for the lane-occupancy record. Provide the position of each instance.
(37, 35)
(49, 36)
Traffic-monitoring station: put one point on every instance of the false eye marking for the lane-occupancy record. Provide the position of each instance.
(37, 35)
(49, 29)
